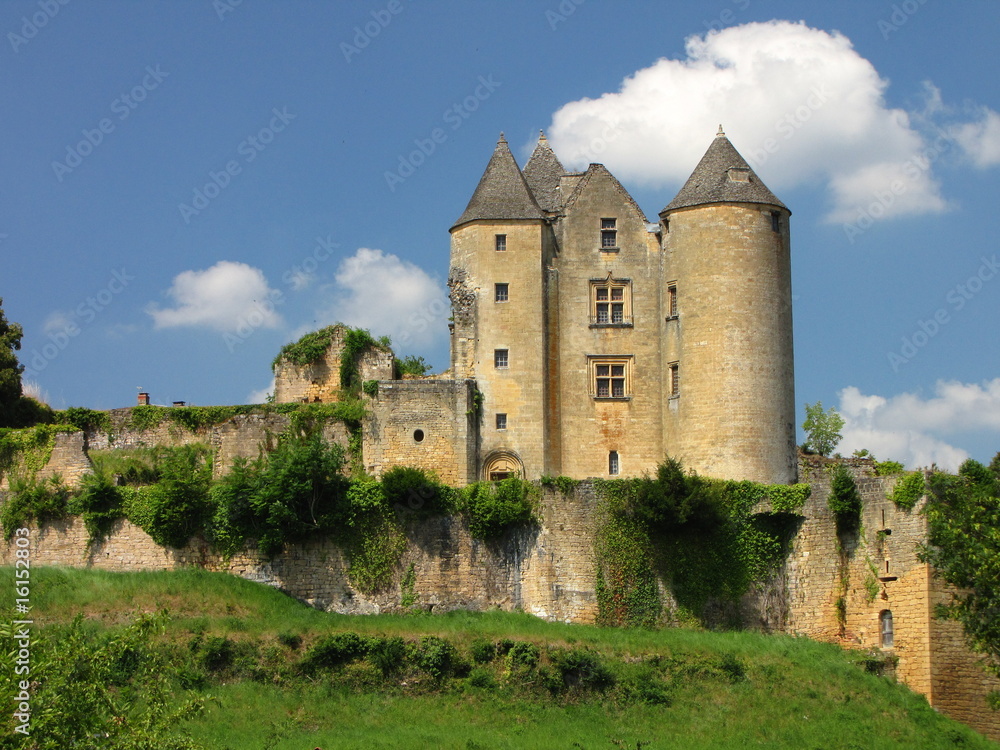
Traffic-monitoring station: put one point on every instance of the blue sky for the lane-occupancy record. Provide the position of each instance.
(189, 185)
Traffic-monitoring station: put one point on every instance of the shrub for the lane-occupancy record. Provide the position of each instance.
(523, 655)
(844, 500)
(908, 490)
(580, 668)
(438, 657)
(177, 506)
(481, 677)
(214, 653)
(370, 388)
(483, 652)
(332, 651)
(387, 654)
(413, 488)
(411, 365)
(493, 507)
(290, 640)
(99, 503)
(40, 502)
(888, 468)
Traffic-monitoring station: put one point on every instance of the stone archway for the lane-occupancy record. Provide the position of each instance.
(502, 464)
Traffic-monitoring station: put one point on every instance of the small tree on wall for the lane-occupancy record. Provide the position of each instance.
(822, 429)
(10, 369)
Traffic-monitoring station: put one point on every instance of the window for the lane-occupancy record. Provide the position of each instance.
(418, 436)
(775, 221)
(885, 628)
(501, 292)
(611, 377)
(500, 358)
(501, 243)
(675, 380)
(671, 301)
(613, 467)
(502, 465)
(610, 302)
(501, 421)
(609, 234)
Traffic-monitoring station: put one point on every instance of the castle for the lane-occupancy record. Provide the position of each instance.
(599, 342)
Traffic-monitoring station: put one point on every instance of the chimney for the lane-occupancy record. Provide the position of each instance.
(180, 403)
(143, 399)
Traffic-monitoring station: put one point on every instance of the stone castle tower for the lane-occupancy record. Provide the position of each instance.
(602, 342)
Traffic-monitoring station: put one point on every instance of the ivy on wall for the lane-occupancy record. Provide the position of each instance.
(708, 540)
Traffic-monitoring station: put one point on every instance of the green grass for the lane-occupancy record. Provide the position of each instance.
(783, 692)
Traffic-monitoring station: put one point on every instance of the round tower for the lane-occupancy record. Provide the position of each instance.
(726, 240)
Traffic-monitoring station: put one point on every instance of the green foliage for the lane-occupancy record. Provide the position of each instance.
(30, 501)
(117, 688)
(10, 370)
(86, 419)
(439, 657)
(822, 429)
(374, 546)
(888, 468)
(483, 651)
(356, 340)
(963, 546)
(28, 449)
(308, 349)
(491, 508)
(99, 503)
(908, 490)
(233, 518)
(370, 388)
(417, 490)
(476, 410)
(177, 506)
(407, 596)
(710, 539)
(333, 651)
(564, 484)
(581, 669)
(411, 365)
(844, 500)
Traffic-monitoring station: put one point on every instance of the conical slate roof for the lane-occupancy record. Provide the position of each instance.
(722, 176)
(502, 192)
(543, 173)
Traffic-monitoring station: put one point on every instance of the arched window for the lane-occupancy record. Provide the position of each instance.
(885, 628)
(501, 465)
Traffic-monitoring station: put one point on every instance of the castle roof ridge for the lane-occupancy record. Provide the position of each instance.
(502, 192)
(543, 173)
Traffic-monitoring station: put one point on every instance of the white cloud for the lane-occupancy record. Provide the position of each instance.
(799, 103)
(980, 139)
(909, 428)
(224, 297)
(261, 396)
(387, 295)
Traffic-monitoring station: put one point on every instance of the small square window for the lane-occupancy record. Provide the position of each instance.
(501, 292)
(501, 243)
(609, 234)
(610, 377)
(501, 421)
(500, 358)
(613, 464)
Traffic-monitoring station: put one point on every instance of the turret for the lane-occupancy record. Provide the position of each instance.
(728, 276)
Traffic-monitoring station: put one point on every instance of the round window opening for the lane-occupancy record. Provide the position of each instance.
(418, 435)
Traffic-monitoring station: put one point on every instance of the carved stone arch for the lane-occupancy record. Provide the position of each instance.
(502, 464)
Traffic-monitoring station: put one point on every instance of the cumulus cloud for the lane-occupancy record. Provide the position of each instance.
(261, 396)
(390, 296)
(800, 104)
(908, 427)
(224, 297)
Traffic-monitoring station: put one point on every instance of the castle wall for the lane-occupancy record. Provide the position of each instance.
(429, 424)
(548, 571)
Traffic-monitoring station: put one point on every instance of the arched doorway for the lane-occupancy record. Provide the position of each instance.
(502, 464)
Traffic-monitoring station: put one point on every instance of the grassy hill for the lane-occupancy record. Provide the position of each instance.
(275, 673)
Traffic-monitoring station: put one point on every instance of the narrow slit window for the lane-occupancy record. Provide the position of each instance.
(672, 301)
(614, 467)
(675, 380)
(886, 629)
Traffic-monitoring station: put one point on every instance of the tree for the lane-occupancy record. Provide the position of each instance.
(822, 429)
(10, 370)
(963, 517)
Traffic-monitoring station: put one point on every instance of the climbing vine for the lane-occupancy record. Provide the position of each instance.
(28, 449)
(908, 490)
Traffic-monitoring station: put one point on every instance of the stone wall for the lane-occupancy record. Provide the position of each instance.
(548, 570)
(319, 382)
(429, 424)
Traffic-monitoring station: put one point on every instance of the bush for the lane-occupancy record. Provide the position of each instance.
(177, 507)
(582, 669)
(411, 365)
(483, 652)
(908, 490)
(413, 488)
(492, 507)
(674, 499)
(523, 655)
(332, 651)
(481, 677)
(40, 502)
(844, 500)
(387, 654)
(99, 503)
(439, 658)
